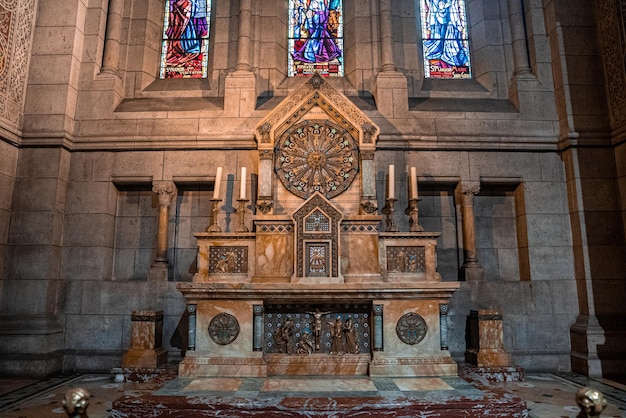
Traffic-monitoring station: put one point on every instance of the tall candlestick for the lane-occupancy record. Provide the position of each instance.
(218, 180)
(242, 188)
(391, 190)
(413, 183)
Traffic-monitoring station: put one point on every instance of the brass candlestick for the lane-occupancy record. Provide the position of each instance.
(213, 227)
(242, 215)
(412, 212)
(388, 210)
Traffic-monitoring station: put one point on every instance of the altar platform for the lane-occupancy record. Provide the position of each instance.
(304, 396)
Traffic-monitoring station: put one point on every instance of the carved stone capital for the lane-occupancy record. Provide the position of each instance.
(264, 131)
(466, 190)
(367, 206)
(369, 133)
(266, 155)
(166, 190)
(265, 205)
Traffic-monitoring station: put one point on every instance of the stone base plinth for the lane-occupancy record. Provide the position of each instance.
(137, 358)
(488, 358)
(485, 348)
(226, 367)
(472, 273)
(317, 365)
(399, 367)
(146, 350)
(491, 374)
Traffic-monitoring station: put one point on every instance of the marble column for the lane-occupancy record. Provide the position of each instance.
(378, 327)
(112, 37)
(391, 90)
(191, 332)
(518, 37)
(471, 269)
(265, 204)
(368, 184)
(443, 325)
(257, 339)
(240, 85)
(166, 190)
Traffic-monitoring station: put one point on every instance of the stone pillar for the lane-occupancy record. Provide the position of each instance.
(368, 184)
(265, 203)
(243, 41)
(32, 333)
(191, 332)
(518, 37)
(145, 341)
(391, 91)
(471, 269)
(240, 85)
(257, 340)
(167, 192)
(443, 325)
(378, 328)
(386, 37)
(112, 37)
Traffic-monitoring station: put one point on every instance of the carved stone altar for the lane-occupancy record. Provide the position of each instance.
(317, 288)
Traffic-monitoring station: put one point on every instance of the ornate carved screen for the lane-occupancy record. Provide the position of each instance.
(317, 238)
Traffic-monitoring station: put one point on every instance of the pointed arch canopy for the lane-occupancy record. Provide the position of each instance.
(317, 92)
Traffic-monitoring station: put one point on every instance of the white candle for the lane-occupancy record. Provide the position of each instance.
(242, 187)
(216, 186)
(413, 183)
(391, 191)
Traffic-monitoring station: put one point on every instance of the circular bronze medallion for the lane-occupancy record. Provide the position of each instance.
(223, 329)
(316, 156)
(411, 328)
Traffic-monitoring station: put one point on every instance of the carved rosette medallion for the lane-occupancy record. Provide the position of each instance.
(317, 156)
(223, 329)
(411, 328)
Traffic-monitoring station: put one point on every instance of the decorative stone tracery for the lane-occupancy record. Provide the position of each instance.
(317, 156)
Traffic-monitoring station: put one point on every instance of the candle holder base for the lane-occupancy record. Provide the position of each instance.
(412, 212)
(242, 216)
(388, 210)
(214, 227)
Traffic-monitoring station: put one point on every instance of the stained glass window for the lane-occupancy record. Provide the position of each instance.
(445, 40)
(316, 37)
(185, 49)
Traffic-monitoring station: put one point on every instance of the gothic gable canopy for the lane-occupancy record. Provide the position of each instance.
(316, 93)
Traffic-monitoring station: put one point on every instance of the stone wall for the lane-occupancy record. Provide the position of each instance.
(8, 167)
(95, 128)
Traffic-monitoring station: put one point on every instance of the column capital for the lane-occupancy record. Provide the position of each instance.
(466, 190)
(469, 187)
(166, 190)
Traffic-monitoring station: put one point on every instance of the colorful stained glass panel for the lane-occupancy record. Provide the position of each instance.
(445, 40)
(185, 49)
(315, 37)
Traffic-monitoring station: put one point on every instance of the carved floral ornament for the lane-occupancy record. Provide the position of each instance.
(316, 156)
(411, 328)
(223, 328)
